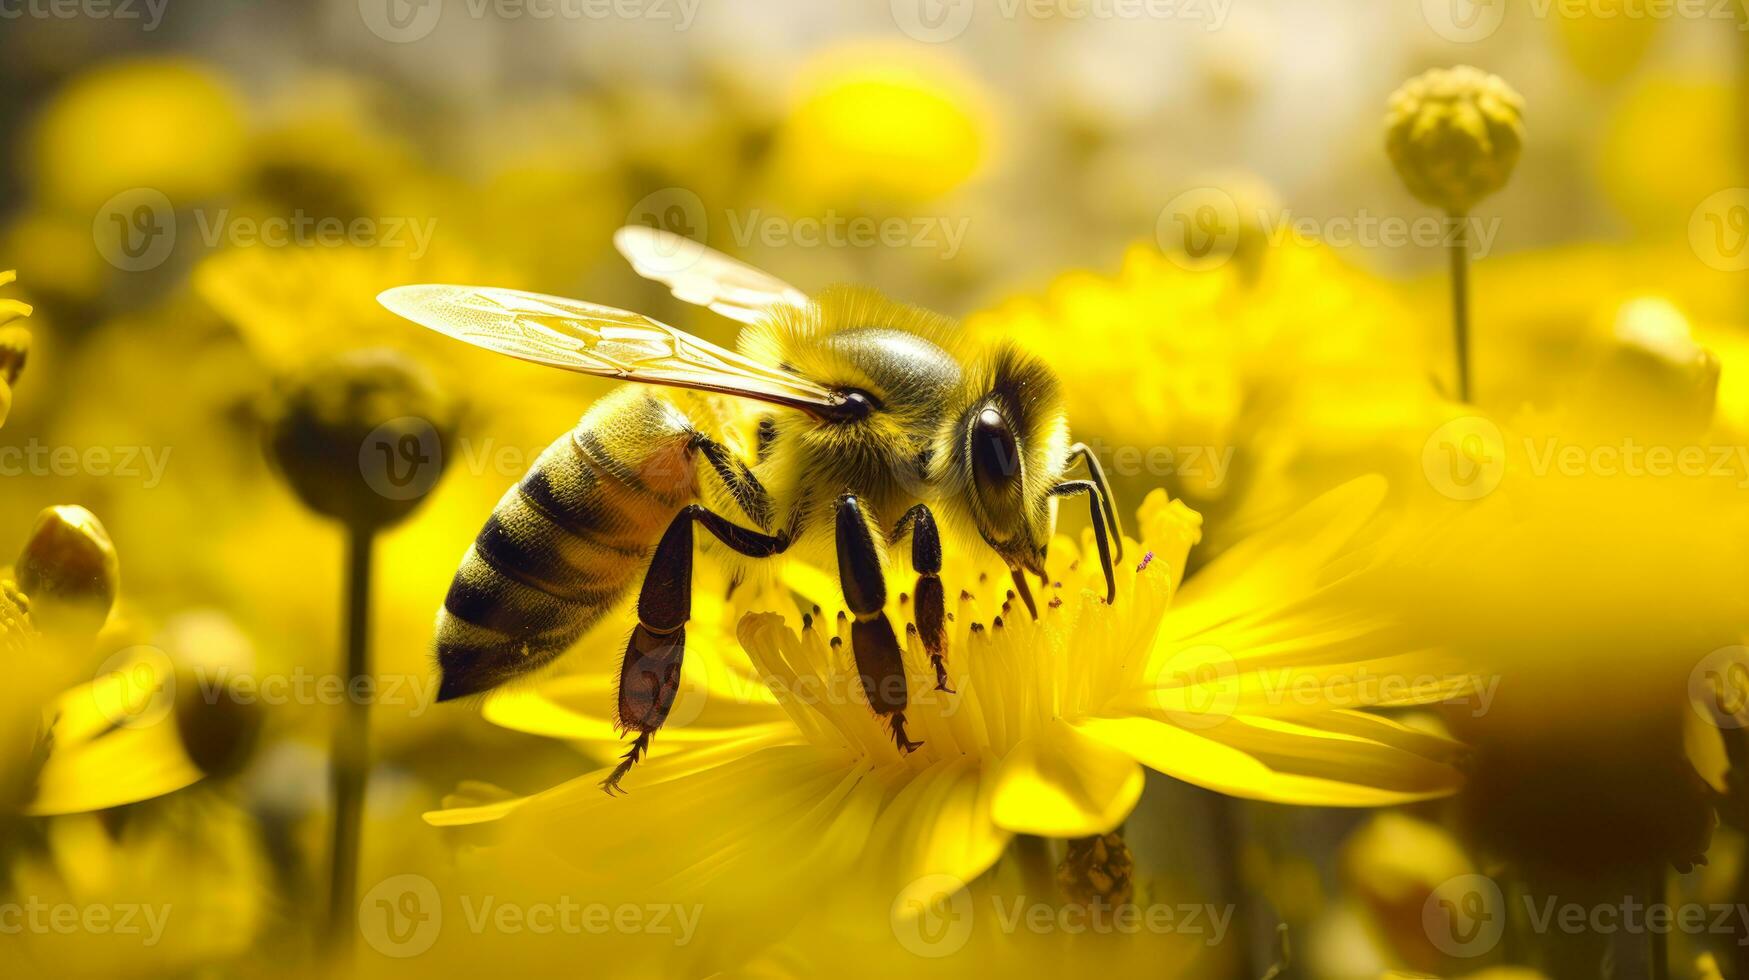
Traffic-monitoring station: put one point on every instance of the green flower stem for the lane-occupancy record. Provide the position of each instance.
(351, 748)
(1460, 304)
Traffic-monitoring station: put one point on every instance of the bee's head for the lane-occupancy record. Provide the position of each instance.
(1007, 446)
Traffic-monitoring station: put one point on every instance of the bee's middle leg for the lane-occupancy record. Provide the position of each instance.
(872, 642)
(649, 676)
(931, 600)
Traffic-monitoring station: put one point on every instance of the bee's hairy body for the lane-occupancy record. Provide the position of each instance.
(566, 543)
(843, 425)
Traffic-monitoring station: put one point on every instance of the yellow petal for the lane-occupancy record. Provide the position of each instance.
(114, 741)
(1060, 783)
(579, 707)
(124, 765)
(939, 823)
(1279, 762)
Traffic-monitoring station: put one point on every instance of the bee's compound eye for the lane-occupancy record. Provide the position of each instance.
(995, 454)
(854, 406)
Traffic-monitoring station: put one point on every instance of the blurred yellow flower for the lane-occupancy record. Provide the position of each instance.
(168, 124)
(1603, 45)
(1669, 143)
(1393, 864)
(174, 886)
(882, 126)
(14, 343)
(324, 148)
(1219, 364)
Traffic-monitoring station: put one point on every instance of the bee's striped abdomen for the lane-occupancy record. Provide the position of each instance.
(567, 542)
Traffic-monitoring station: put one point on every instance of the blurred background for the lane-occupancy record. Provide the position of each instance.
(201, 199)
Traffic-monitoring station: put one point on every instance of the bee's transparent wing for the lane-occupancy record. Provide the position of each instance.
(703, 276)
(599, 340)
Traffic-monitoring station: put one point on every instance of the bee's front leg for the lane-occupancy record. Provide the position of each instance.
(649, 676)
(931, 600)
(872, 642)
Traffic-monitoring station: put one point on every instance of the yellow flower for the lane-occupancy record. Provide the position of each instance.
(1394, 864)
(789, 789)
(167, 124)
(1224, 367)
(14, 344)
(878, 125)
(189, 873)
(1454, 136)
(324, 150)
(1667, 145)
(1604, 48)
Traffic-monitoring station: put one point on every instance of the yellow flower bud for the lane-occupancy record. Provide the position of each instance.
(361, 436)
(1454, 136)
(218, 717)
(69, 571)
(14, 345)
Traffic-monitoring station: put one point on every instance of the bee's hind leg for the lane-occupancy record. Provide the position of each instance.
(649, 676)
(931, 600)
(878, 660)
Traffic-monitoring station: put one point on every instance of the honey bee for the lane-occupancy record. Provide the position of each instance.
(842, 424)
